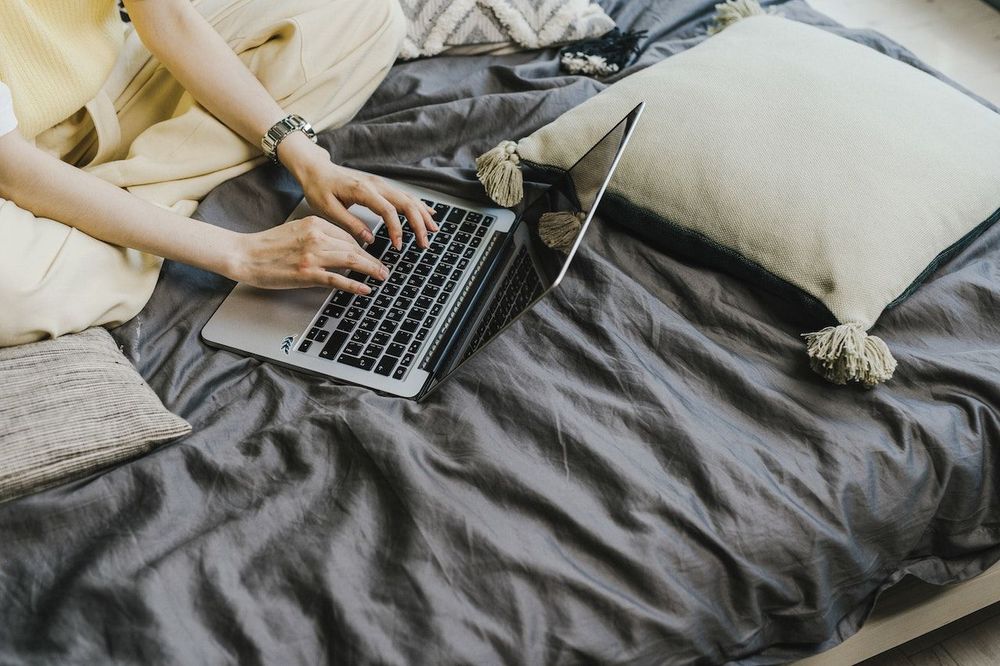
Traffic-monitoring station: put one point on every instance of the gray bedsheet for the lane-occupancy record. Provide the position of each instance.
(642, 471)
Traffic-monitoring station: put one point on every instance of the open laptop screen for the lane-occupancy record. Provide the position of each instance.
(530, 268)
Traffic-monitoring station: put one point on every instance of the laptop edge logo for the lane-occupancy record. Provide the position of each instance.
(286, 344)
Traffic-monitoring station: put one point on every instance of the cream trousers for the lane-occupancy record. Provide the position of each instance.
(321, 59)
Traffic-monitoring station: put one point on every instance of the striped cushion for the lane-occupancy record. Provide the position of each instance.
(71, 406)
(497, 26)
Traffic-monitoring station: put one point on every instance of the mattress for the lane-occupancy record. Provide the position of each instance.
(643, 470)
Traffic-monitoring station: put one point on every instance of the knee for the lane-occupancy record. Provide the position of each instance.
(386, 21)
(396, 22)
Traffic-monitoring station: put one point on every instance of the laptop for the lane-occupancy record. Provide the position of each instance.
(440, 306)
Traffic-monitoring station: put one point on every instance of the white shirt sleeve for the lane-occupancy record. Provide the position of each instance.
(7, 119)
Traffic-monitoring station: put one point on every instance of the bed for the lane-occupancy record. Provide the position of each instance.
(644, 470)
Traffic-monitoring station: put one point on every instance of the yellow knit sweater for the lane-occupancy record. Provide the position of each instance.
(55, 55)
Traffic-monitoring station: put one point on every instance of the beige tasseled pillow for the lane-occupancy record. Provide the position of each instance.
(793, 157)
(71, 406)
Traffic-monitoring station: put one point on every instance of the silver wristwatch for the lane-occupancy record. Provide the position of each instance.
(282, 129)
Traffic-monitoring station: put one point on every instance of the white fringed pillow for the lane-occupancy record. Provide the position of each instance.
(793, 157)
(497, 26)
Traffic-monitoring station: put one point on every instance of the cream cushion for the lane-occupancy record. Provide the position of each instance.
(788, 153)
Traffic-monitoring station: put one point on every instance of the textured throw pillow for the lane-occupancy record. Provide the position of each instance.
(71, 406)
(790, 156)
(497, 26)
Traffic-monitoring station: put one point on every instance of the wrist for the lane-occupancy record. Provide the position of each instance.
(229, 256)
(301, 156)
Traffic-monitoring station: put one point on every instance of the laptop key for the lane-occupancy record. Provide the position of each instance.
(469, 254)
(332, 347)
(403, 338)
(385, 366)
(374, 350)
(377, 246)
(422, 334)
(312, 334)
(443, 298)
(360, 336)
(306, 344)
(396, 350)
(409, 291)
(376, 312)
(362, 362)
(354, 348)
(390, 290)
(333, 311)
(407, 360)
(440, 210)
(476, 241)
(380, 338)
(322, 336)
(414, 348)
(480, 231)
(423, 302)
(400, 372)
(387, 326)
(430, 291)
(410, 325)
(383, 301)
(346, 325)
(368, 324)
(456, 215)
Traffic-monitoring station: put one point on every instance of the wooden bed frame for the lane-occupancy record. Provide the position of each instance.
(909, 610)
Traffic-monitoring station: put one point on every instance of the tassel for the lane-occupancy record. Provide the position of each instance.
(732, 11)
(559, 230)
(846, 353)
(498, 171)
(606, 55)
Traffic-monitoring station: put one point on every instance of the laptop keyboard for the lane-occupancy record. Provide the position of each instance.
(385, 331)
(519, 289)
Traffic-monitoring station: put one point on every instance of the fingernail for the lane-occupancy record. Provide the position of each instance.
(384, 272)
(365, 290)
(368, 237)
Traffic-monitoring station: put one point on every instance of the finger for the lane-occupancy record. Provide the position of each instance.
(426, 214)
(414, 216)
(429, 217)
(339, 234)
(384, 209)
(413, 211)
(355, 260)
(322, 278)
(346, 220)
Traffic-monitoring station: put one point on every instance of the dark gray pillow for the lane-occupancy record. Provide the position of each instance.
(71, 406)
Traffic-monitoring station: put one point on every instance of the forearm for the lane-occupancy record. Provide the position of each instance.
(185, 43)
(49, 188)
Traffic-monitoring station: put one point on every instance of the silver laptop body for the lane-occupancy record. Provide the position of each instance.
(486, 266)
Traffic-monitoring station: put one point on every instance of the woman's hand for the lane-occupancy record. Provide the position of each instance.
(331, 189)
(301, 253)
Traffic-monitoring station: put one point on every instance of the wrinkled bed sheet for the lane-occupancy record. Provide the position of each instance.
(642, 471)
